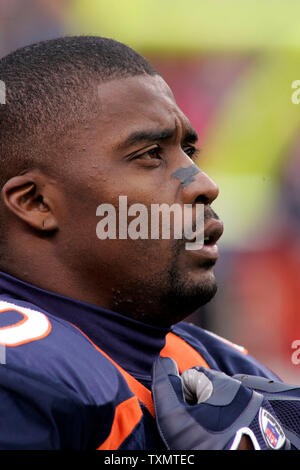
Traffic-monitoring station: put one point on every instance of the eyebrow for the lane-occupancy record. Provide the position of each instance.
(190, 136)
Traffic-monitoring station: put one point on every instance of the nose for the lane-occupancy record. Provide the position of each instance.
(201, 189)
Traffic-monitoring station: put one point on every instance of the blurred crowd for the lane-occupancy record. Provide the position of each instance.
(26, 22)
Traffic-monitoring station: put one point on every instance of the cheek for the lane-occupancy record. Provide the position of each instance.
(133, 259)
(97, 216)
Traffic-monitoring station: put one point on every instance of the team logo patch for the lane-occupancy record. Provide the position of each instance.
(271, 430)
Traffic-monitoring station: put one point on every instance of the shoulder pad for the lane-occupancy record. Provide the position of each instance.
(235, 346)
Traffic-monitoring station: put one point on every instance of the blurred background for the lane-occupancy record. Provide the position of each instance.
(231, 65)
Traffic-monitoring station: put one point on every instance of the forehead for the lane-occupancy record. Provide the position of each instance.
(137, 103)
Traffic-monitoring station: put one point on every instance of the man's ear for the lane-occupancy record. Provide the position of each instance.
(29, 197)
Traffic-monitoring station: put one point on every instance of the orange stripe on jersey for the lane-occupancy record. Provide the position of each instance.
(176, 348)
(138, 389)
(127, 415)
(183, 354)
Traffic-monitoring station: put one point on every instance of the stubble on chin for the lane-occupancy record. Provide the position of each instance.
(166, 296)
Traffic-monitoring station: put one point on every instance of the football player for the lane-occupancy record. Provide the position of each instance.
(84, 320)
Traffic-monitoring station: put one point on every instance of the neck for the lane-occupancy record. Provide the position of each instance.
(49, 273)
(132, 344)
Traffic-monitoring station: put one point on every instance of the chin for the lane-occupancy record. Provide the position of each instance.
(187, 297)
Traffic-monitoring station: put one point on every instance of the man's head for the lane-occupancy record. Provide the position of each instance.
(86, 120)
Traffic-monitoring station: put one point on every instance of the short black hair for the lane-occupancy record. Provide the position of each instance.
(50, 87)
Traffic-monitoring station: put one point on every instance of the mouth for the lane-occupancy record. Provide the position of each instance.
(213, 230)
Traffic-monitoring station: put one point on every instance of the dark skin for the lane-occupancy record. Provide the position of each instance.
(56, 217)
(52, 220)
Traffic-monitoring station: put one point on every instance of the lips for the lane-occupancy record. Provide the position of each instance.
(213, 230)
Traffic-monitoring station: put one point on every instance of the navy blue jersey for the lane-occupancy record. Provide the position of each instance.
(72, 369)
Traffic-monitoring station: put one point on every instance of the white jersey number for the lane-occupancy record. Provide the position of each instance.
(34, 325)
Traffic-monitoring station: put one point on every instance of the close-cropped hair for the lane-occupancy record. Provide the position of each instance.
(51, 88)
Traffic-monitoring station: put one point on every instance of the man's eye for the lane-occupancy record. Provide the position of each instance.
(192, 152)
(150, 154)
(151, 158)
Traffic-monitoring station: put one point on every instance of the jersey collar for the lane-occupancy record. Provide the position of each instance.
(132, 344)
